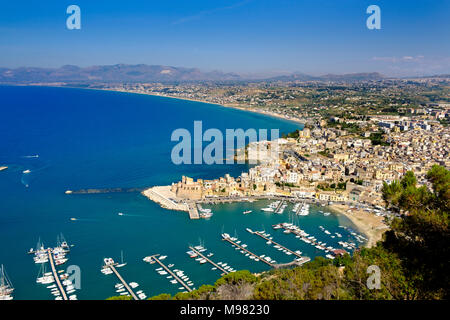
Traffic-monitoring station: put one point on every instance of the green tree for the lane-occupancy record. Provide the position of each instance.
(421, 237)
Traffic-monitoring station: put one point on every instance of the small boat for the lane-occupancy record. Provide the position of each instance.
(247, 211)
(26, 171)
(120, 214)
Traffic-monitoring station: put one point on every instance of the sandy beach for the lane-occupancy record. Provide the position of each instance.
(266, 113)
(368, 223)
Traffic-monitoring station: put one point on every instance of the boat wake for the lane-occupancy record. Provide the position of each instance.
(29, 157)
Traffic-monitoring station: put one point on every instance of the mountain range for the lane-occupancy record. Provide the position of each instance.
(152, 73)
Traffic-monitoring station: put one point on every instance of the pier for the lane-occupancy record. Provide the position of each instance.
(154, 257)
(298, 209)
(130, 291)
(210, 261)
(279, 206)
(55, 275)
(277, 244)
(193, 211)
(107, 190)
(249, 252)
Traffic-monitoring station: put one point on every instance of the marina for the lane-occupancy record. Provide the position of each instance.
(154, 258)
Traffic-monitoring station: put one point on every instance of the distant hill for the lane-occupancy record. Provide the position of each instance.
(152, 73)
(111, 73)
(351, 77)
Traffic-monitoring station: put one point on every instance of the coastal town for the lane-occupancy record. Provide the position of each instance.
(338, 159)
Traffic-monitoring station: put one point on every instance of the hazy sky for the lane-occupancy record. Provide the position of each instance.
(244, 36)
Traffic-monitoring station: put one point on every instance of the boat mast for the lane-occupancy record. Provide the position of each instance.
(2, 279)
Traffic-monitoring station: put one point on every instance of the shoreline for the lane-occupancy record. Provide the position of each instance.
(368, 223)
(267, 114)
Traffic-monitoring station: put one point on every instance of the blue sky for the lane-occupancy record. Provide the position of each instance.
(243, 36)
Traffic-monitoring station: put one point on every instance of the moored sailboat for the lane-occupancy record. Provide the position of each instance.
(6, 287)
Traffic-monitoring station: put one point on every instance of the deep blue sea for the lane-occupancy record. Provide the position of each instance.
(99, 139)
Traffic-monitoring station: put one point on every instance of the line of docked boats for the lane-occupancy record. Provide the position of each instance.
(170, 275)
(238, 245)
(201, 249)
(279, 206)
(120, 287)
(305, 237)
(272, 206)
(269, 242)
(59, 252)
(301, 209)
(122, 291)
(204, 213)
(47, 278)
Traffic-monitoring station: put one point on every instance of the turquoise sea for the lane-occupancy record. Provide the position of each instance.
(98, 139)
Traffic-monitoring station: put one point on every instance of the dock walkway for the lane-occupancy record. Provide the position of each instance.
(55, 275)
(154, 257)
(277, 244)
(210, 261)
(249, 252)
(193, 211)
(279, 206)
(123, 281)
